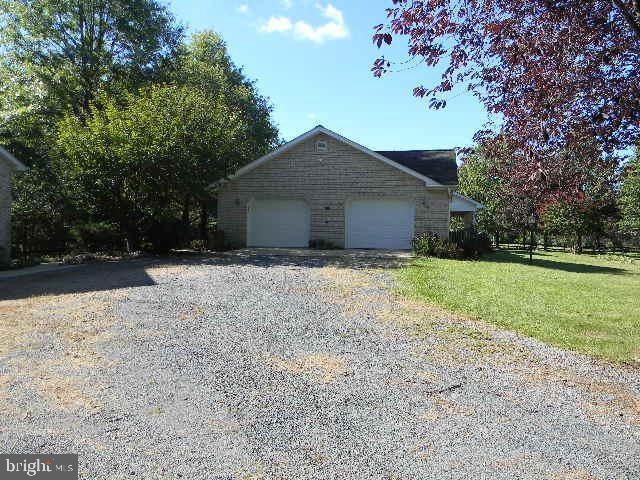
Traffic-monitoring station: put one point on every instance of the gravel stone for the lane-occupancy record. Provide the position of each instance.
(266, 367)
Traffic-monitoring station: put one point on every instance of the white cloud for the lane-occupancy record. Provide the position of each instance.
(312, 116)
(331, 13)
(334, 29)
(244, 8)
(277, 24)
(286, 4)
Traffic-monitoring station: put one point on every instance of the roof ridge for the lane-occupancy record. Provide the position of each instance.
(422, 150)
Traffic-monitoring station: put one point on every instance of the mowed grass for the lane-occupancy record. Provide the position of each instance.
(586, 303)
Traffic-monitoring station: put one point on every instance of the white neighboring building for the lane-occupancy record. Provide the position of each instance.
(8, 166)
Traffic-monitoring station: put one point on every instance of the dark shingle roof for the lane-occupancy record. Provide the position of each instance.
(439, 165)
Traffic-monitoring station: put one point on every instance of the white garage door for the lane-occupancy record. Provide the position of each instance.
(278, 223)
(387, 224)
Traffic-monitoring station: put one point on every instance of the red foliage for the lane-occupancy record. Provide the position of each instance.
(559, 74)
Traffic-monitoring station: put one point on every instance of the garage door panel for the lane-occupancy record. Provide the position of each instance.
(382, 223)
(278, 223)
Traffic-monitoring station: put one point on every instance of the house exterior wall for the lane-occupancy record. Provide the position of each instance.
(327, 181)
(5, 211)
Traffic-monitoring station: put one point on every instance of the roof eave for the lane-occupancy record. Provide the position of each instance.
(15, 163)
(478, 205)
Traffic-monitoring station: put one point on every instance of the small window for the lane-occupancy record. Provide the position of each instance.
(322, 146)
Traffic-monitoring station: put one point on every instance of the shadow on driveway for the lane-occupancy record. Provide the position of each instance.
(133, 273)
(84, 278)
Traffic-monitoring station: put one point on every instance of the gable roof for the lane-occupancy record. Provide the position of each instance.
(13, 161)
(439, 165)
(428, 181)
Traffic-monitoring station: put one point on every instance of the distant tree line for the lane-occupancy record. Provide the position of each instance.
(123, 122)
(604, 214)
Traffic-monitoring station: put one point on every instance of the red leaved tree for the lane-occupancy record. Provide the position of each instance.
(558, 74)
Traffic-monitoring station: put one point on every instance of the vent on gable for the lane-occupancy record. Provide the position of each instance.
(322, 146)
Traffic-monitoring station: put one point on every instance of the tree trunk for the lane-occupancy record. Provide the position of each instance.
(131, 231)
(497, 236)
(578, 245)
(186, 220)
(186, 211)
(132, 241)
(545, 239)
(204, 222)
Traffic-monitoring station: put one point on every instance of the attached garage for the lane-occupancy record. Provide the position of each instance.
(380, 223)
(278, 223)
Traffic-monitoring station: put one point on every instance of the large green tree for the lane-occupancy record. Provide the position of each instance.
(630, 196)
(124, 124)
(592, 211)
(204, 64)
(575, 220)
(69, 50)
(477, 180)
(144, 160)
(132, 161)
(58, 56)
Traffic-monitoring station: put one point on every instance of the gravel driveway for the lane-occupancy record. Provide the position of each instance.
(270, 367)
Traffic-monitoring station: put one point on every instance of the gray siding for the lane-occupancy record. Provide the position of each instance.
(326, 181)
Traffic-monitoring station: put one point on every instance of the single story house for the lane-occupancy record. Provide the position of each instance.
(322, 186)
(8, 165)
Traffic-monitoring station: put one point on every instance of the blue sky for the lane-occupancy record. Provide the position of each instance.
(313, 59)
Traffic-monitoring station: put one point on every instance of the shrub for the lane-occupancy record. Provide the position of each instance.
(475, 245)
(21, 262)
(424, 244)
(430, 245)
(96, 236)
(79, 259)
(447, 249)
(198, 245)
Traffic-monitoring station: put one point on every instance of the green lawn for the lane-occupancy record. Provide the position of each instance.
(586, 303)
